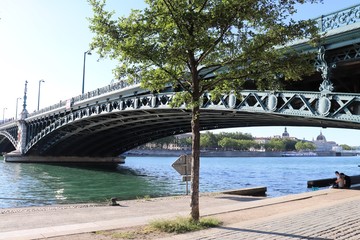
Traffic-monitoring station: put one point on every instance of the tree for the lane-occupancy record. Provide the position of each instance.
(304, 145)
(181, 42)
(208, 140)
(236, 135)
(275, 144)
(184, 142)
(227, 142)
(290, 144)
(346, 147)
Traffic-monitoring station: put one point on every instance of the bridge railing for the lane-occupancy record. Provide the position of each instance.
(6, 120)
(339, 19)
(97, 92)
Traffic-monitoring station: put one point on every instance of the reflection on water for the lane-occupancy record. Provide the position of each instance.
(41, 184)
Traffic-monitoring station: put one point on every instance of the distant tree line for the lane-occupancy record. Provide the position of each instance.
(235, 141)
(347, 147)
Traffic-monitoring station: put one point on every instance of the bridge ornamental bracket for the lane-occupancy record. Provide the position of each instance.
(322, 66)
(272, 102)
(323, 106)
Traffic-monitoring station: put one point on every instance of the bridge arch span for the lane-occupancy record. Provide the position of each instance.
(116, 126)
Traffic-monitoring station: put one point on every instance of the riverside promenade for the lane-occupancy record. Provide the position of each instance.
(323, 214)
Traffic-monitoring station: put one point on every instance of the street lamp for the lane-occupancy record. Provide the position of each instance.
(17, 100)
(88, 52)
(4, 114)
(40, 81)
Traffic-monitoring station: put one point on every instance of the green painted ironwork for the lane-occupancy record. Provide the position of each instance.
(339, 19)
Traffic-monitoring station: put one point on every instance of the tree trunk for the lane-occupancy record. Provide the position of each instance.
(195, 169)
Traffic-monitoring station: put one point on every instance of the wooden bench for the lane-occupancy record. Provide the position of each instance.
(254, 191)
(327, 182)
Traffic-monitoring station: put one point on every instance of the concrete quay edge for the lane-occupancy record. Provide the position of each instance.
(86, 223)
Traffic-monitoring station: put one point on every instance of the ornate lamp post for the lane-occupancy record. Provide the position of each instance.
(24, 112)
(4, 114)
(88, 52)
(40, 81)
(17, 103)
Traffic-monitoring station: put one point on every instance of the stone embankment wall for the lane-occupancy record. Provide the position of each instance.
(167, 153)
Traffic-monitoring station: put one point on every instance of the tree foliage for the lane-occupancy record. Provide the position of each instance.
(236, 135)
(209, 140)
(346, 147)
(242, 142)
(275, 144)
(304, 145)
(176, 41)
(203, 46)
(238, 144)
(290, 144)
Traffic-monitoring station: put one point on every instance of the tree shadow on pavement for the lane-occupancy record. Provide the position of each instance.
(240, 231)
(241, 198)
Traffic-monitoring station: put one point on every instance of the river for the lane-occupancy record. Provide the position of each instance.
(29, 184)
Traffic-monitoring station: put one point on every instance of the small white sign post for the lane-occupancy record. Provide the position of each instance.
(183, 166)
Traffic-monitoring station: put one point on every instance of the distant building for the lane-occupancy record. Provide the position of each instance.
(285, 134)
(262, 140)
(322, 145)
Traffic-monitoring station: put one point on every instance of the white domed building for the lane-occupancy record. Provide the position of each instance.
(322, 145)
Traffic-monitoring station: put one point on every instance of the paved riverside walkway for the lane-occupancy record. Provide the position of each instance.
(334, 215)
(324, 214)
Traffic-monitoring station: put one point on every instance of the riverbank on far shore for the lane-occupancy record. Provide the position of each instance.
(220, 153)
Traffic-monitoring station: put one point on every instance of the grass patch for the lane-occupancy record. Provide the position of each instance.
(124, 235)
(161, 228)
(118, 235)
(134, 233)
(182, 224)
(146, 198)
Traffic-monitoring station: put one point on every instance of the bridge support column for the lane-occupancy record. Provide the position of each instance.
(22, 132)
(22, 129)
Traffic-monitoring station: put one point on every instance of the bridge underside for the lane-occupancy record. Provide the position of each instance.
(111, 134)
(345, 78)
(5, 145)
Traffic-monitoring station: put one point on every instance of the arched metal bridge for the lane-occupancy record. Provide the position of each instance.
(116, 118)
(115, 125)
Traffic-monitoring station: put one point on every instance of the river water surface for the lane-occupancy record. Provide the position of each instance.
(30, 184)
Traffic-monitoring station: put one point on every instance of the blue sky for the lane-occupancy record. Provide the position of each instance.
(46, 39)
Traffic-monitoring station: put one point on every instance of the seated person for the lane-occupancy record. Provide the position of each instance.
(340, 182)
(347, 183)
(336, 185)
(337, 178)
